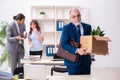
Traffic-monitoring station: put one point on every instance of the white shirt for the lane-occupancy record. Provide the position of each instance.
(36, 44)
(17, 27)
(81, 29)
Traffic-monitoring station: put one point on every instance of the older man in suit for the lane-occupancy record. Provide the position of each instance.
(74, 30)
(15, 40)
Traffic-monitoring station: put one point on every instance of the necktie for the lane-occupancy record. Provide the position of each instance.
(20, 28)
(78, 28)
(20, 34)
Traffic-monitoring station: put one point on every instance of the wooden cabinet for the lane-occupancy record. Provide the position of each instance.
(52, 21)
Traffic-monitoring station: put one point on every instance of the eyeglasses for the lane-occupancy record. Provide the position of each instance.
(76, 16)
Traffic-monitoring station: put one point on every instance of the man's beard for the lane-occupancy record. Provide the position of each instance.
(77, 23)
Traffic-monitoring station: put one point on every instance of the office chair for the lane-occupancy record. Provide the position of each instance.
(58, 69)
(63, 70)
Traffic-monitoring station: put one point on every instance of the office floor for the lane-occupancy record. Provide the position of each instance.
(106, 73)
(101, 73)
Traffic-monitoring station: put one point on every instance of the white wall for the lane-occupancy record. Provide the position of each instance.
(105, 13)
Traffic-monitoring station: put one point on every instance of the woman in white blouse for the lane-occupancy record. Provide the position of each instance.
(35, 39)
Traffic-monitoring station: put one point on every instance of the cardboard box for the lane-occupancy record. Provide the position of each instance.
(95, 44)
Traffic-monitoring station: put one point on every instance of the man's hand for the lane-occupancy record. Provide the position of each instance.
(25, 34)
(18, 37)
(82, 51)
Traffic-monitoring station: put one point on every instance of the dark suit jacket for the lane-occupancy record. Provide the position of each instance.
(12, 32)
(70, 32)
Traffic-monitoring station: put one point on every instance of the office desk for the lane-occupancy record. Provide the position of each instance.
(37, 68)
(42, 62)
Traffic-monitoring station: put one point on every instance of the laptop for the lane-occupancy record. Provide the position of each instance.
(57, 58)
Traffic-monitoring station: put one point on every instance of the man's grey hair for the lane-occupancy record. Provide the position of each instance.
(75, 9)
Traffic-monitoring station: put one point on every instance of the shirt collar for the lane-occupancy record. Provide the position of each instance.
(16, 23)
(78, 24)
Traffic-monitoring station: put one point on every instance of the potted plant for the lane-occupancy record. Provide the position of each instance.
(42, 14)
(97, 32)
(4, 55)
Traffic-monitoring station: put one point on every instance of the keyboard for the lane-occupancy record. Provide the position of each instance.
(57, 60)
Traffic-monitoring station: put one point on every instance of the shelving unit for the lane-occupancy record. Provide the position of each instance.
(49, 25)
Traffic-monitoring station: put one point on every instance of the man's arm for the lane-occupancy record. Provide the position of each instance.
(9, 34)
(65, 40)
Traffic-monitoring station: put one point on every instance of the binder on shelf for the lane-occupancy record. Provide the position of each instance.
(59, 25)
(50, 50)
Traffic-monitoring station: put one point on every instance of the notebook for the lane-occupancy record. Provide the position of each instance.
(57, 58)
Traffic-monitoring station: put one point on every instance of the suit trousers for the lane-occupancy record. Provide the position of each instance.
(81, 70)
(15, 57)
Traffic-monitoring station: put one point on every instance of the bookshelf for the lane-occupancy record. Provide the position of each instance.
(52, 23)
